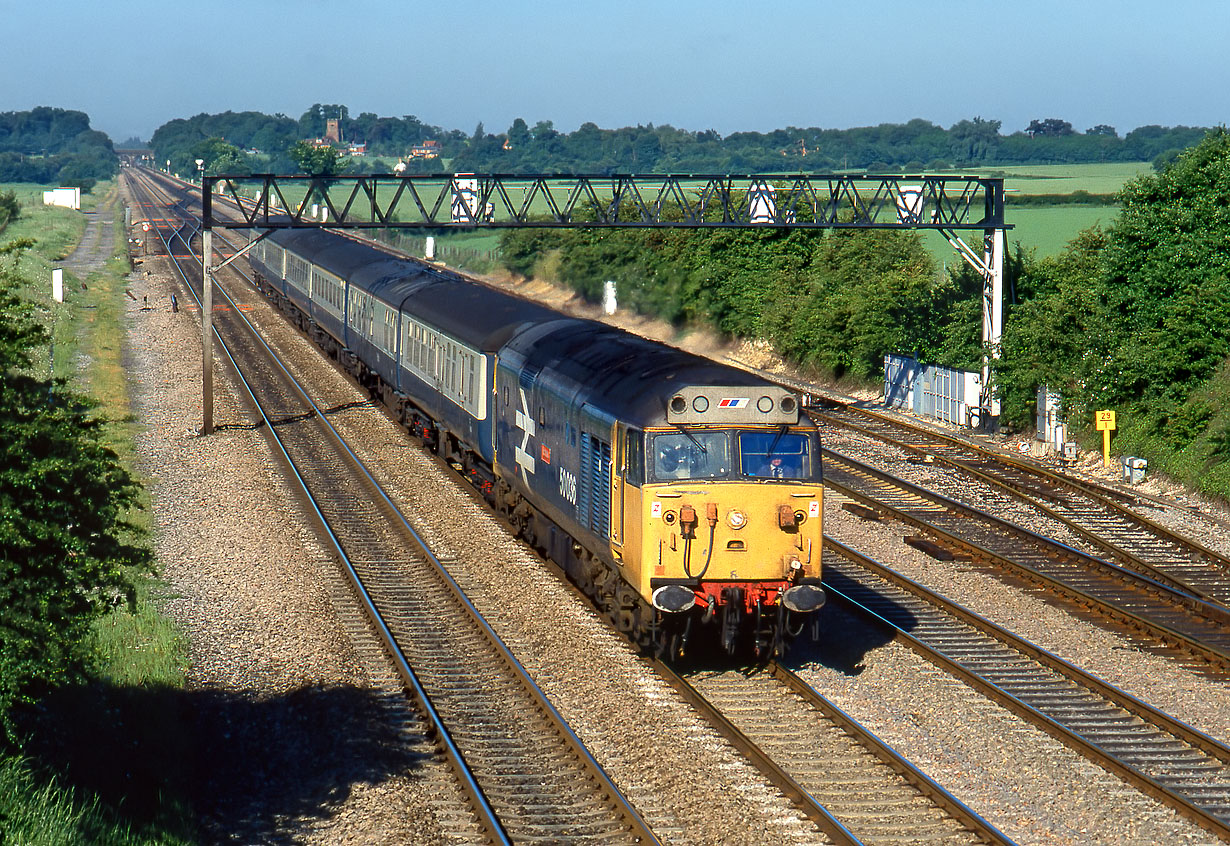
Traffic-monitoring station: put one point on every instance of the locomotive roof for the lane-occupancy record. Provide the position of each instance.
(629, 376)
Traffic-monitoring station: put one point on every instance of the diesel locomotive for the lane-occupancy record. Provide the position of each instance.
(683, 495)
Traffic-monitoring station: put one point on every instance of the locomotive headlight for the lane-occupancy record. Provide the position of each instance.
(736, 519)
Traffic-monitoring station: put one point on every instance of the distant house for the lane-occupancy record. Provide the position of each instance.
(426, 150)
(351, 149)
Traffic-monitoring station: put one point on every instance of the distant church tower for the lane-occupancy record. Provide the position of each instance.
(333, 130)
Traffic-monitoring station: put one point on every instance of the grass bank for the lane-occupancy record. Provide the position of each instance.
(103, 760)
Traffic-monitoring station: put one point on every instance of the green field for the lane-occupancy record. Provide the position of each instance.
(1048, 229)
(1064, 179)
(1044, 229)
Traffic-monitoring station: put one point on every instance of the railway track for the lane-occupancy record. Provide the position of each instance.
(1161, 756)
(1107, 518)
(1195, 631)
(856, 788)
(528, 776)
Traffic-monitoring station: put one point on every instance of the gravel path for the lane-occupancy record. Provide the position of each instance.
(298, 741)
(97, 242)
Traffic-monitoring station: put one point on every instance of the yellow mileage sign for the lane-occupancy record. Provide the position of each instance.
(1105, 424)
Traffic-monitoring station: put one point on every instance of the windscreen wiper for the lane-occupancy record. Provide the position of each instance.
(692, 438)
(777, 439)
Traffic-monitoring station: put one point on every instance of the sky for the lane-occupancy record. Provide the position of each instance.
(133, 65)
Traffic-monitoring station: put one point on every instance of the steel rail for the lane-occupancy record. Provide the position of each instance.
(486, 816)
(847, 815)
(1207, 637)
(801, 797)
(812, 809)
(1211, 582)
(921, 781)
(1164, 757)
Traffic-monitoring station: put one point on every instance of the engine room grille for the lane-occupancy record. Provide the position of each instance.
(594, 498)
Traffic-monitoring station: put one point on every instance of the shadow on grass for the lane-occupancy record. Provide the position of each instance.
(212, 765)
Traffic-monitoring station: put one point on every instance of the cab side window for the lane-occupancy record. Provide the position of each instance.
(634, 457)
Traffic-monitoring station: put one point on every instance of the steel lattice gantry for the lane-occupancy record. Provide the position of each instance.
(953, 205)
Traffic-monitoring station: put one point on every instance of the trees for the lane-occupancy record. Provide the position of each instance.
(218, 157)
(541, 148)
(861, 294)
(1049, 127)
(835, 301)
(317, 161)
(1059, 332)
(67, 551)
(1167, 271)
(312, 122)
(974, 140)
(1137, 317)
(53, 145)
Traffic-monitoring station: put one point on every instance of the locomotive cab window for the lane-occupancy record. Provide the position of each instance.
(775, 455)
(690, 454)
(634, 458)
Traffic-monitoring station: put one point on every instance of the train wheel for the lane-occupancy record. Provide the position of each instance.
(732, 619)
(781, 633)
(763, 635)
(672, 639)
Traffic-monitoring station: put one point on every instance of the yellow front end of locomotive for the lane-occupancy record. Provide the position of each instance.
(750, 533)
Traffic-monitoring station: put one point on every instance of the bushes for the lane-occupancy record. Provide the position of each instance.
(10, 209)
(1137, 318)
(67, 553)
(836, 302)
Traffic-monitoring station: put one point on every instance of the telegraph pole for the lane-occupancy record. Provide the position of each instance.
(207, 309)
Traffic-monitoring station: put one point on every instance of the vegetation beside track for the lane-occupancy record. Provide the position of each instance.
(1134, 317)
(94, 746)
